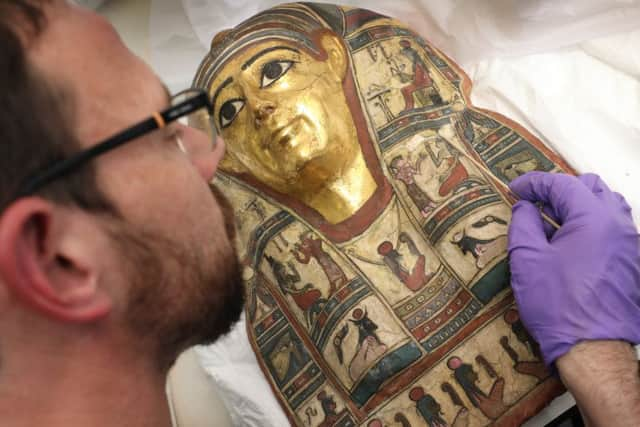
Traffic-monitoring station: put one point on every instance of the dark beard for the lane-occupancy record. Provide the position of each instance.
(177, 298)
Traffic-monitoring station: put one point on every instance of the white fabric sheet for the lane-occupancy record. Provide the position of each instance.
(568, 71)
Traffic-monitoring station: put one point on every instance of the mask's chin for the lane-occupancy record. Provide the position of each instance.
(281, 175)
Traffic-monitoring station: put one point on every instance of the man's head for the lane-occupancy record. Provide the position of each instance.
(132, 245)
(36, 120)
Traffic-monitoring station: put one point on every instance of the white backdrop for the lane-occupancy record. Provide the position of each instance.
(568, 71)
(468, 30)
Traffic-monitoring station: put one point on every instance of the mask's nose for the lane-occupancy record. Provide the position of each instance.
(262, 111)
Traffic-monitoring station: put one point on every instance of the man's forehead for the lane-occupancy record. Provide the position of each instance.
(83, 52)
(75, 45)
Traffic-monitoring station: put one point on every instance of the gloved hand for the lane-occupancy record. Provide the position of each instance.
(583, 282)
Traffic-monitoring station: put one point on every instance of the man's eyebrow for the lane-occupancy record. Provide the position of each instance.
(264, 52)
(217, 92)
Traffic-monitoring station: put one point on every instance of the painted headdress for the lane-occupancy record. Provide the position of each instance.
(295, 22)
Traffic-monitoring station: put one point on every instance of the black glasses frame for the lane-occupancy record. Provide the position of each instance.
(158, 120)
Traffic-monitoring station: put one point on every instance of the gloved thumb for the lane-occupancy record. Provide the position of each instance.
(526, 231)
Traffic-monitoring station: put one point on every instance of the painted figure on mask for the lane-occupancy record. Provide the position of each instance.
(369, 346)
(428, 407)
(311, 247)
(490, 404)
(403, 170)
(358, 139)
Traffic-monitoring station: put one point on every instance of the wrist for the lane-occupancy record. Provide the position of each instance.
(603, 377)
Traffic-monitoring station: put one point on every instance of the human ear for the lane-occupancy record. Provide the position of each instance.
(336, 52)
(48, 260)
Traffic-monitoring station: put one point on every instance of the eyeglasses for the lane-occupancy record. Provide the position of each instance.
(190, 107)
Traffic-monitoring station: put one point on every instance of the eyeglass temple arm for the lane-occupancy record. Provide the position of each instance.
(68, 165)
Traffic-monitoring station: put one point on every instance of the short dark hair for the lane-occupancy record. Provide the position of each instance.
(36, 115)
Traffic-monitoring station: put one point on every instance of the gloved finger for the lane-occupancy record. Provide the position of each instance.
(595, 184)
(526, 230)
(566, 194)
(622, 202)
(602, 191)
(549, 229)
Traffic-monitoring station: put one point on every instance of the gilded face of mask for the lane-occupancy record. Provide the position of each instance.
(283, 112)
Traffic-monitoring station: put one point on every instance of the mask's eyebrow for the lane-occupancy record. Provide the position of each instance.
(247, 64)
(217, 92)
(255, 57)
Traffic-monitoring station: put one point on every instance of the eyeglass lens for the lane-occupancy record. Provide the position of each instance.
(200, 120)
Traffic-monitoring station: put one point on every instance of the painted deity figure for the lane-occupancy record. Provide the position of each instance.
(483, 250)
(405, 171)
(412, 275)
(311, 247)
(369, 346)
(533, 364)
(328, 409)
(451, 173)
(357, 138)
(307, 298)
(428, 407)
(491, 404)
(420, 80)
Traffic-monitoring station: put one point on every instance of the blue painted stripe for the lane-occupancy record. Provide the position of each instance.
(385, 369)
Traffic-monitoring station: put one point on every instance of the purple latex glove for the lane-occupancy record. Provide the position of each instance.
(582, 282)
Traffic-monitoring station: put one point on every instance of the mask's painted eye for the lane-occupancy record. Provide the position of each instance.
(229, 111)
(272, 71)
